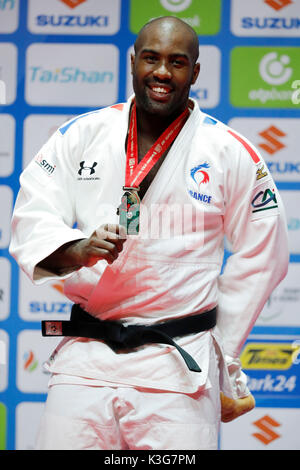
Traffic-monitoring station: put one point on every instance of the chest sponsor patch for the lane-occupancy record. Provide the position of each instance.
(200, 176)
(87, 171)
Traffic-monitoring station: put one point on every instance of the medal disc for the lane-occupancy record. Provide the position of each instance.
(129, 212)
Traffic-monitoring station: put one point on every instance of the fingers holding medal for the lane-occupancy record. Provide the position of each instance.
(106, 243)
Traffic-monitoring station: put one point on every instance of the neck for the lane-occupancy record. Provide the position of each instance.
(153, 125)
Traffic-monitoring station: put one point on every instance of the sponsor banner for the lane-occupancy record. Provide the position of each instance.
(9, 16)
(46, 124)
(262, 429)
(4, 347)
(72, 74)
(43, 302)
(93, 17)
(282, 307)
(5, 281)
(276, 18)
(3, 426)
(28, 412)
(204, 17)
(8, 72)
(276, 140)
(206, 90)
(32, 352)
(6, 198)
(272, 366)
(7, 144)
(270, 76)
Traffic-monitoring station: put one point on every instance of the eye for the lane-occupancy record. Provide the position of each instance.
(150, 59)
(178, 63)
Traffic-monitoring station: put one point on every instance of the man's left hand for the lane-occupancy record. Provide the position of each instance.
(232, 409)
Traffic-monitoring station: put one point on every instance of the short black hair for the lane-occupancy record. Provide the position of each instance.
(180, 22)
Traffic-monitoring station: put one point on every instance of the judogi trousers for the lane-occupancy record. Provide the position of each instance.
(80, 417)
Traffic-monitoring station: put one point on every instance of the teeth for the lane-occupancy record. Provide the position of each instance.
(160, 90)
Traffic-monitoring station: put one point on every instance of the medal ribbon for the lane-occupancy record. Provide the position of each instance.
(136, 172)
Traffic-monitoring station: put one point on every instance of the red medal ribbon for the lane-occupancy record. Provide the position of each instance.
(135, 171)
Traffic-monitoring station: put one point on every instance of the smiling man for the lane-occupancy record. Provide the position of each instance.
(150, 358)
(164, 67)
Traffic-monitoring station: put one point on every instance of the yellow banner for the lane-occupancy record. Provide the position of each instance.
(269, 355)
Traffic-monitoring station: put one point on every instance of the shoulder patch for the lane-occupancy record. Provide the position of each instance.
(209, 120)
(65, 127)
(249, 149)
(264, 200)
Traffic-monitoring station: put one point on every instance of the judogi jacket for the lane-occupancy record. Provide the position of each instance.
(213, 185)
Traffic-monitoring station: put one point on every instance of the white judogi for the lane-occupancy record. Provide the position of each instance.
(212, 184)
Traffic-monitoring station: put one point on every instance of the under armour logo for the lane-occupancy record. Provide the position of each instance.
(90, 168)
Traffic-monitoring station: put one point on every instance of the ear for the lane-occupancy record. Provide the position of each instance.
(132, 60)
(195, 72)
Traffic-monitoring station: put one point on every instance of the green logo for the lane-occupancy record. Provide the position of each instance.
(203, 17)
(263, 77)
(2, 427)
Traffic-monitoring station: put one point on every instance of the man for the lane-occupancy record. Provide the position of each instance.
(181, 181)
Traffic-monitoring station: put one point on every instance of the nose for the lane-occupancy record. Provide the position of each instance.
(162, 72)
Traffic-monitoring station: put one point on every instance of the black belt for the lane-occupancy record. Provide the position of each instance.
(119, 336)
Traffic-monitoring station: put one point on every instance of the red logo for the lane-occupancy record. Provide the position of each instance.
(272, 143)
(278, 4)
(199, 175)
(73, 3)
(267, 434)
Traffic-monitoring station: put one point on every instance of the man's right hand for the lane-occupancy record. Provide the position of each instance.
(105, 243)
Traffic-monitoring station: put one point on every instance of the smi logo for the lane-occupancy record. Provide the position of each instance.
(49, 169)
(199, 175)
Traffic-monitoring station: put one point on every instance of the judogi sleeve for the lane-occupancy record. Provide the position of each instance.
(254, 224)
(44, 212)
